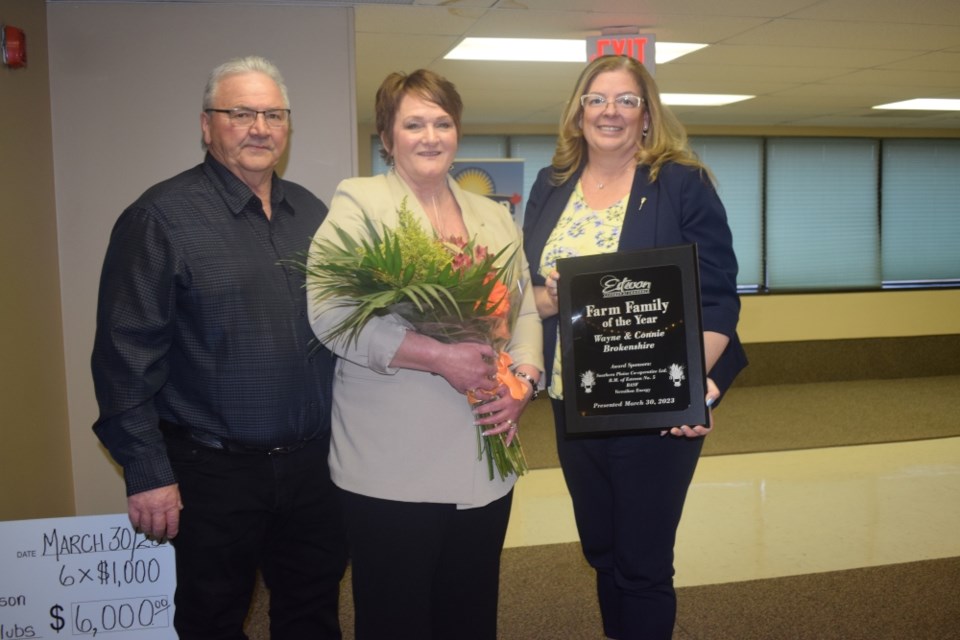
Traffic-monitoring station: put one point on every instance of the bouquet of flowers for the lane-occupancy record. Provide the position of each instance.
(453, 291)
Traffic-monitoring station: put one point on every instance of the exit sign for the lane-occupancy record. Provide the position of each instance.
(639, 46)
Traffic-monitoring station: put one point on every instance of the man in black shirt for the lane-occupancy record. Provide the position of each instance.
(214, 396)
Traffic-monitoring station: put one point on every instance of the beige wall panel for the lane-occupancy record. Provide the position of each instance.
(35, 456)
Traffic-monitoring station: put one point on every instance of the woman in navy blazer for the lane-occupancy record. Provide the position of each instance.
(624, 178)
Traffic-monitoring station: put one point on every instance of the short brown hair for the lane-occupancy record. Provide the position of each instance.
(425, 83)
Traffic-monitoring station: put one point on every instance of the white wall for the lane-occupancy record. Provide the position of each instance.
(126, 82)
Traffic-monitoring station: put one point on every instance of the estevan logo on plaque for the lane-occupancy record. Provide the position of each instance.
(631, 341)
(615, 287)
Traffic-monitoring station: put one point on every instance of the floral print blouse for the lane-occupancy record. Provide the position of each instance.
(581, 231)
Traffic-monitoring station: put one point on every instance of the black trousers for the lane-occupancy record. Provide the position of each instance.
(628, 494)
(243, 512)
(425, 571)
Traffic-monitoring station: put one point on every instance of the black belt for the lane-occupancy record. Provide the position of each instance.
(219, 443)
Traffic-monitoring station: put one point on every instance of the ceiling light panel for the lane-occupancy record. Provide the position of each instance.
(547, 50)
(923, 104)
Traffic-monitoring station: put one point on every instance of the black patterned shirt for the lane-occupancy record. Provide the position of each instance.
(202, 321)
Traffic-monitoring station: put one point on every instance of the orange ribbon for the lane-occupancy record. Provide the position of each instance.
(517, 388)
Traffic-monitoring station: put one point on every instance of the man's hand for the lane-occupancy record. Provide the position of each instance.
(156, 513)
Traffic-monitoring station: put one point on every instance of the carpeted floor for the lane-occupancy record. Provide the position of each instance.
(547, 591)
(913, 601)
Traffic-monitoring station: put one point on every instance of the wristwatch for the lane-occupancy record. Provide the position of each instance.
(533, 383)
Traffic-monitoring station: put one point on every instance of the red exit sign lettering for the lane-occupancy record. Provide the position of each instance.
(639, 46)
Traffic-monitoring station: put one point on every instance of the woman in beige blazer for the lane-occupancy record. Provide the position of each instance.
(425, 522)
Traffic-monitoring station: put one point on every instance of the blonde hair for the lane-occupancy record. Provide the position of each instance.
(664, 141)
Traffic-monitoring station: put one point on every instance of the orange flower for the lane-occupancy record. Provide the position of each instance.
(497, 303)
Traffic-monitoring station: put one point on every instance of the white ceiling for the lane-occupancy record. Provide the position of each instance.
(810, 63)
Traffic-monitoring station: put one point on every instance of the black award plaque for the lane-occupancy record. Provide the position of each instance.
(631, 341)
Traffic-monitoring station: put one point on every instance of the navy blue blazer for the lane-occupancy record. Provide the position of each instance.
(680, 207)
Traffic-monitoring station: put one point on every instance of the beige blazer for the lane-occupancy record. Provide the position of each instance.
(400, 434)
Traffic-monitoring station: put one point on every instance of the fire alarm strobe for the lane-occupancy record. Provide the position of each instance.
(13, 42)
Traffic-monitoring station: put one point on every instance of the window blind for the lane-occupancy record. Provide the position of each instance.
(737, 165)
(920, 212)
(822, 228)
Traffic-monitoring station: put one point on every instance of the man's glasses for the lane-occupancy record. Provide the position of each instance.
(243, 117)
(597, 101)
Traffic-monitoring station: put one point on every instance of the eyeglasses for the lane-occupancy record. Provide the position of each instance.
(597, 101)
(243, 117)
